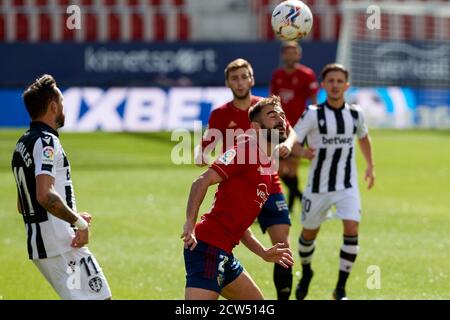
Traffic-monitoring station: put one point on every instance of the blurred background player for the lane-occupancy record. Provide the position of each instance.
(231, 119)
(330, 128)
(211, 268)
(46, 200)
(295, 84)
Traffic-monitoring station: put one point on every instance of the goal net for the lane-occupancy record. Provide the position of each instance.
(398, 55)
(396, 43)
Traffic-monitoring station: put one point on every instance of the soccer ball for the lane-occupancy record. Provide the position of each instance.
(291, 20)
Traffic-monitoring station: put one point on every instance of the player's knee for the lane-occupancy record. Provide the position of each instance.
(309, 234)
(351, 227)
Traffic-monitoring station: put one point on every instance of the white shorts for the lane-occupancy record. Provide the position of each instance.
(75, 275)
(316, 207)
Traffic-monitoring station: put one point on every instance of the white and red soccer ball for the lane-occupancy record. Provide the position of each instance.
(291, 20)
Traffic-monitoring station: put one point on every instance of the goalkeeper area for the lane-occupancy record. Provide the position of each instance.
(137, 198)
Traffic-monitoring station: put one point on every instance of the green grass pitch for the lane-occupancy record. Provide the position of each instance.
(137, 198)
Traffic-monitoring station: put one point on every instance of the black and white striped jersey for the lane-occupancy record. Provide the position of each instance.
(331, 132)
(39, 151)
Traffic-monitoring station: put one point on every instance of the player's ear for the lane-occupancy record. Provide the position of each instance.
(253, 81)
(347, 85)
(53, 107)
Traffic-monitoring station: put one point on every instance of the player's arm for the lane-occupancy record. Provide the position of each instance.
(196, 195)
(302, 128)
(285, 148)
(279, 253)
(51, 201)
(365, 145)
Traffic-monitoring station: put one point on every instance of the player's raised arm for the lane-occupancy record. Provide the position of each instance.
(279, 253)
(286, 146)
(197, 194)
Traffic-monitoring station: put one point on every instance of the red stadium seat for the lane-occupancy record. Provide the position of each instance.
(87, 3)
(45, 27)
(41, 3)
(67, 34)
(2, 28)
(113, 27)
(109, 3)
(64, 3)
(137, 27)
(183, 25)
(22, 24)
(91, 25)
(159, 25)
(18, 3)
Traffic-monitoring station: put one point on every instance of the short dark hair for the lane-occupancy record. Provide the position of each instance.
(255, 110)
(39, 94)
(237, 64)
(334, 67)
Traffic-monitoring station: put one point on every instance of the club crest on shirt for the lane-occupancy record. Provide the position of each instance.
(96, 284)
(228, 156)
(232, 124)
(47, 155)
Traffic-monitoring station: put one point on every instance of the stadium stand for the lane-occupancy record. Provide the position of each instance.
(178, 20)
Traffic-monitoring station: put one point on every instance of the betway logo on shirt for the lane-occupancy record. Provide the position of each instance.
(337, 140)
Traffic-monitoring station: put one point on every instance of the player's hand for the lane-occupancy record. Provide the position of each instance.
(188, 236)
(86, 216)
(284, 150)
(370, 177)
(81, 238)
(308, 153)
(280, 254)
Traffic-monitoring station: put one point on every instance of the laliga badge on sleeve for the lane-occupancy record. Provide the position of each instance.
(228, 157)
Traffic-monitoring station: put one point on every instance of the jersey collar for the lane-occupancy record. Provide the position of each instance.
(334, 109)
(43, 127)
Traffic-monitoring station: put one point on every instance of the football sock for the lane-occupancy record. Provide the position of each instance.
(348, 254)
(282, 278)
(306, 250)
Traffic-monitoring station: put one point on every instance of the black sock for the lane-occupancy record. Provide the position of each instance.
(306, 269)
(343, 276)
(283, 281)
(348, 254)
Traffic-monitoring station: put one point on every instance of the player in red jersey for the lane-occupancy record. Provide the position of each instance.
(225, 123)
(295, 84)
(244, 186)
